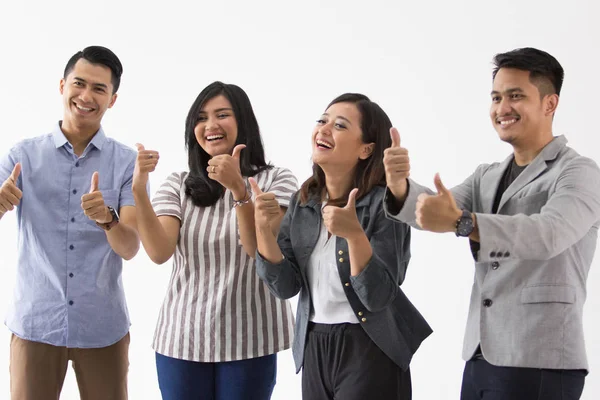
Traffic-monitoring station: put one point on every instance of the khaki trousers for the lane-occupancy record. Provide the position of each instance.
(38, 370)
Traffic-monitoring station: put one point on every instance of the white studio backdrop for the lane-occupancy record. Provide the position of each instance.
(428, 64)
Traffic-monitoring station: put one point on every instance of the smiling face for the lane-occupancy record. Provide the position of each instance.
(87, 93)
(337, 138)
(216, 130)
(518, 112)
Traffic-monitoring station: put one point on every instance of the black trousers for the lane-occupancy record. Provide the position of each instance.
(484, 381)
(342, 362)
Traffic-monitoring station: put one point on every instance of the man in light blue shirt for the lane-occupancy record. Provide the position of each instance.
(76, 222)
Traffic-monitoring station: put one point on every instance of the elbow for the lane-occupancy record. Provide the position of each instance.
(379, 304)
(131, 252)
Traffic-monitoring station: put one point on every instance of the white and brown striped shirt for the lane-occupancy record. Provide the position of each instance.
(216, 307)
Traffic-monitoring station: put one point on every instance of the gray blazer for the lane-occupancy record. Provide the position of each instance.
(386, 314)
(531, 270)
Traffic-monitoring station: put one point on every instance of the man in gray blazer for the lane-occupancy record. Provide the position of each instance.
(532, 221)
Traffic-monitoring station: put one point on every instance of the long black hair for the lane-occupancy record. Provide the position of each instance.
(204, 191)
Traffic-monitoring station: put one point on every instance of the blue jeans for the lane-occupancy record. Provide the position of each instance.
(484, 381)
(251, 379)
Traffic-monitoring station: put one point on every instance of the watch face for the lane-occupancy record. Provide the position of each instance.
(465, 226)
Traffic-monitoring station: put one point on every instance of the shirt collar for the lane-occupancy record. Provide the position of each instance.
(60, 139)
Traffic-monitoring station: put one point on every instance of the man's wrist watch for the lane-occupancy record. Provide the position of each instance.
(464, 225)
(115, 219)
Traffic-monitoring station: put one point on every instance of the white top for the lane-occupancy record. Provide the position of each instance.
(216, 307)
(330, 304)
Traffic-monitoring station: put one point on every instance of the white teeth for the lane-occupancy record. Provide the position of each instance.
(512, 121)
(83, 108)
(324, 144)
(214, 137)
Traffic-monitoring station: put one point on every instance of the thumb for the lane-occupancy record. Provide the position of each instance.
(395, 135)
(352, 199)
(14, 175)
(94, 184)
(441, 189)
(237, 150)
(140, 147)
(255, 189)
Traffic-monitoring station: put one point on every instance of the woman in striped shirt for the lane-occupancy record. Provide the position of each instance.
(219, 328)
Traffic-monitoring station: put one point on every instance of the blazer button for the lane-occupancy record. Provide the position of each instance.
(347, 284)
(360, 313)
(493, 254)
(340, 252)
(495, 265)
(364, 320)
(487, 303)
(507, 254)
(341, 260)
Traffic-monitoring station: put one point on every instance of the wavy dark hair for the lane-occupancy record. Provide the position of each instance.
(204, 191)
(375, 127)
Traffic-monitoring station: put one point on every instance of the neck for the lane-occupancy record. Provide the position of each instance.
(525, 153)
(78, 135)
(338, 181)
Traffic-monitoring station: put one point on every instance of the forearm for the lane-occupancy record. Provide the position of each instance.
(267, 245)
(124, 240)
(154, 238)
(246, 227)
(360, 253)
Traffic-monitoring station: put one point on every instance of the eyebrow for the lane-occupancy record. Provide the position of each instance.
(341, 117)
(219, 110)
(507, 91)
(93, 84)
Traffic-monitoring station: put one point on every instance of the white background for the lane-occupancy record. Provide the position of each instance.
(428, 64)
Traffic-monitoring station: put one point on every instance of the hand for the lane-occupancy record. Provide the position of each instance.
(93, 203)
(343, 221)
(10, 194)
(225, 169)
(144, 164)
(437, 213)
(397, 166)
(266, 208)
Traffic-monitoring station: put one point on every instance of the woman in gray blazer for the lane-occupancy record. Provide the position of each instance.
(356, 331)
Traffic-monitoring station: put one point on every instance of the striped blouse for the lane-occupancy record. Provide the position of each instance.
(216, 308)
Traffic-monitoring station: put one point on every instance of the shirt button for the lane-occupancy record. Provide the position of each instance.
(77, 164)
(71, 247)
(507, 254)
(72, 219)
(347, 284)
(495, 265)
(341, 260)
(493, 254)
(71, 275)
(487, 303)
(70, 302)
(340, 252)
(364, 320)
(360, 313)
(74, 191)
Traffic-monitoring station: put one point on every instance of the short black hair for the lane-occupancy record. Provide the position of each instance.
(544, 70)
(102, 56)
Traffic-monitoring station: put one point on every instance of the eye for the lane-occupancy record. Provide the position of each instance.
(321, 121)
(495, 99)
(77, 83)
(100, 90)
(201, 118)
(222, 115)
(340, 126)
(516, 96)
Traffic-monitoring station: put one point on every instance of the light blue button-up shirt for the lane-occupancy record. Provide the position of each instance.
(69, 290)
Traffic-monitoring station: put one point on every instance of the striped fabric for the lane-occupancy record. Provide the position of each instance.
(216, 308)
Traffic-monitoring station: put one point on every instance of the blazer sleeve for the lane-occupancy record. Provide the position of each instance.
(463, 195)
(567, 216)
(283, 279)
(378, 284)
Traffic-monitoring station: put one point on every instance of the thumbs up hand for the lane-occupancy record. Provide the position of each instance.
(343, 221)
(397, 166)
(266, 208)
(93, 205)
(10, 194)
(145, 163)
(439, 212)
(225, 169)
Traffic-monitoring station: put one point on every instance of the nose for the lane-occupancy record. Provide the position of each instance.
(211, 124)
(86, 95)
(325, 129)
(504, 107)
